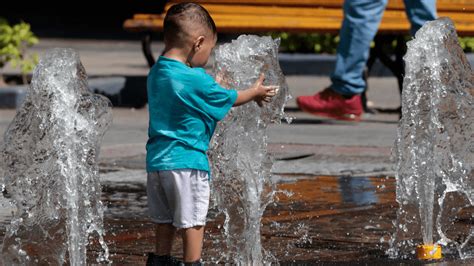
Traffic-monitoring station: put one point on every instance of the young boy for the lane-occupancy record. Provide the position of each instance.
(184, 105)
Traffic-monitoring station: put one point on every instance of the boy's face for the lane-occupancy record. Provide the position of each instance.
(202, 49)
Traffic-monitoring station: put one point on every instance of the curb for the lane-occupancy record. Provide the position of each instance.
(122, 91)
(13, 96)
(323, 65)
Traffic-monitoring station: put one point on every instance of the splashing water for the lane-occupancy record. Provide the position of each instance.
(242, 187)
(434, 149)
(49, 158)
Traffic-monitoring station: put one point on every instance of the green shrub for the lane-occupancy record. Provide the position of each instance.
(327, 43)
(467, 44)
(15, 40)
(307, 42)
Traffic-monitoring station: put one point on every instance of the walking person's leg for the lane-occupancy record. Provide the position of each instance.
(419, 12)
(342, 99)
(361, 22)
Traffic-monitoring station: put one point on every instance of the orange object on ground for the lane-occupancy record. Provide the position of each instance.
(429, 252)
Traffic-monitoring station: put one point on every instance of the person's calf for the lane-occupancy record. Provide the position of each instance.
(192, 244)
(164, 239)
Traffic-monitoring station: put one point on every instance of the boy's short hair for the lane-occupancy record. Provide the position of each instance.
(181, 16)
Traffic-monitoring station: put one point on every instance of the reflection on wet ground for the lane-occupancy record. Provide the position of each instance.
(314, 219)
(330, 218)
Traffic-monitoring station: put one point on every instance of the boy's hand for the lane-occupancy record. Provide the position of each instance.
(264, 93)
(257, 92)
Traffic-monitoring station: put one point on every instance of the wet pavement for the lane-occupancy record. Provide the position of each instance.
(326, 220)
(313, 220)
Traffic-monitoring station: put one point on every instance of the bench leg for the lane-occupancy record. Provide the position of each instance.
(396, 65)
(146, 48)
(400, 51)
(364, 94)
(368, 67)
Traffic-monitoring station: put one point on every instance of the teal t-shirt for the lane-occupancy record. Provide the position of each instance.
(184, 105)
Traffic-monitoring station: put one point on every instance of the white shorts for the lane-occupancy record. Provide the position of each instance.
(179, 197)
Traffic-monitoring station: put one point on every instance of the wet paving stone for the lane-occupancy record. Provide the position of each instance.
(324, 220)
(313, 219)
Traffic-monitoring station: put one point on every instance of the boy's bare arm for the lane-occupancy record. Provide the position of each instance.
(257, 92)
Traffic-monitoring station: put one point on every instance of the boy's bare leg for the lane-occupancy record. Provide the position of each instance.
(192, 243)
(164, 239)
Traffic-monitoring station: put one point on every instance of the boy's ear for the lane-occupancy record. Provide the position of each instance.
(198, 43)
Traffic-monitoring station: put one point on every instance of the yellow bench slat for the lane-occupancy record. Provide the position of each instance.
(254, 23)
(442, 5)
(215, 9)
(241, 17)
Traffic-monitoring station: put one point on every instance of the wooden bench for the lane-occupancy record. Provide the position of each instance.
(320, 16)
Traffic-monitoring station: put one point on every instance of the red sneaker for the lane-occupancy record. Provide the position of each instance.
(328, 103)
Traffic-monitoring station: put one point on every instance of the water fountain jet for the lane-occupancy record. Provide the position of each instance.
(49, 161)
(434, 148)
(242, 183)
